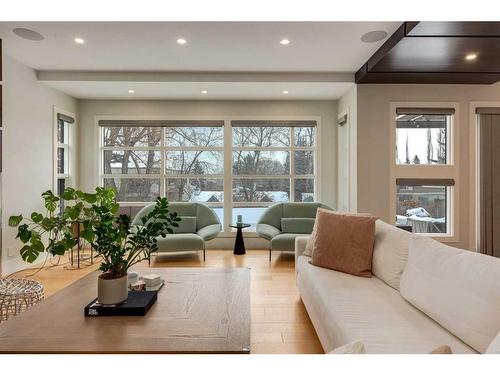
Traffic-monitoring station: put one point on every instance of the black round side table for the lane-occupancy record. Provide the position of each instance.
(239, 243)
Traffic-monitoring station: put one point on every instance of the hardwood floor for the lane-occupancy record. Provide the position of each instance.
(280, 323)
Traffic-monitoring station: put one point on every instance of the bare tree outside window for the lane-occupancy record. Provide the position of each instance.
(186, 163)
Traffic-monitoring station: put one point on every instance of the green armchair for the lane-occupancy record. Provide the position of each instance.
(282, 222)
(199, 224)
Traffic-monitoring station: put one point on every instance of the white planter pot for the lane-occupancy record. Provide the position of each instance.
(112, 291)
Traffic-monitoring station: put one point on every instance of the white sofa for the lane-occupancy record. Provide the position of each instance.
(422, 295)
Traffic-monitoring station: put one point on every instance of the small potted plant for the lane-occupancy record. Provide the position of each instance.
(120, 244)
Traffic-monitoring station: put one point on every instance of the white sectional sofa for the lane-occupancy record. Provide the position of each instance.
(422, 295)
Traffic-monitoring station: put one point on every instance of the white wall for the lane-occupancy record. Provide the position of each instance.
(27, 149)
(373, 144)
(347, 152)
(327, 110)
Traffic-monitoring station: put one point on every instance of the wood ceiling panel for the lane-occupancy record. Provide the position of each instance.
(441, 54)
(434, 52)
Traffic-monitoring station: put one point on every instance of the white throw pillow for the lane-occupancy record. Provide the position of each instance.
(459, 289)
(356, 347)
(390, 253)
(494, 347)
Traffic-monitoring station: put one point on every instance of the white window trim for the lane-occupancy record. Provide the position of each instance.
(227, 203)
(71, 146)
(450, 170)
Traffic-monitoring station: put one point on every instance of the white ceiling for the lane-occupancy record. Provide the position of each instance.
(247, 47)
(192, 90)
(211, 46)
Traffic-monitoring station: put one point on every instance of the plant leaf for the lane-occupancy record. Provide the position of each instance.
(28, 254)
(14, 221)
(36, 217)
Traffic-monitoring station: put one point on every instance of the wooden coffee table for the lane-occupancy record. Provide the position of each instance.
(199, 310)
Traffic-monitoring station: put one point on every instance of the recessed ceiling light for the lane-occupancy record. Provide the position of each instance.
(373, 36)
(471, 56)
(28, 34)
(181, 41)
(284, 42)
(204, 91)
(285, 92)
(131, 91)
(79, 40)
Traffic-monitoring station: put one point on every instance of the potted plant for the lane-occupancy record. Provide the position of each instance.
(120, 244)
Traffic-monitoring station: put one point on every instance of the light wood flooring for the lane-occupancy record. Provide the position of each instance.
(280, 323)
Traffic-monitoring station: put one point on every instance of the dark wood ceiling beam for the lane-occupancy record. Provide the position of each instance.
(434, 52)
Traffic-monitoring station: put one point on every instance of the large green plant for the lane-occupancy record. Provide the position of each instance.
(120, 244)
(54, 226)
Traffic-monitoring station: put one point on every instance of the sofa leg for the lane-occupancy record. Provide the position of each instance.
(149, 259)
(270, 254)
(203, 253)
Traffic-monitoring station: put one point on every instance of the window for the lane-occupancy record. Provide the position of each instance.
(63, 153)
(146, 159)
(422, 138)
(271, 163)
(185, 161)
(424, 172)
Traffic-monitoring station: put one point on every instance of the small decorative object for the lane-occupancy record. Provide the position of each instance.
(133, 277)
(137, 304)
(139, 286)
(239, 219)
(17, 295)
(152, 279)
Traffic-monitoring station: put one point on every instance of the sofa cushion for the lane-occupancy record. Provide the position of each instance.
(180, 242)
(285, 241)
(344, 242)
(390, 253)
(297, 225)
(459, 289)
(494, 347)
(300, 209)
(345, 308)
(186, 225)
(356, 347)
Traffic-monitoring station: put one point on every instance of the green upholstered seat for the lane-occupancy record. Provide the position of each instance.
(199, 224)
(282, 222)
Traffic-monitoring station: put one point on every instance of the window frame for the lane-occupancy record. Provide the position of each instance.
(429, 171)
(70, 147)
(291, 176)
(227, 175)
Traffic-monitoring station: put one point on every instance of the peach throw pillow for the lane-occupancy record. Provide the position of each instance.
(344, 242)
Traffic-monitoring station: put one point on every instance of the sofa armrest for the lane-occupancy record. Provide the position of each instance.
(209, 232)
(267, 231)
(300, 247)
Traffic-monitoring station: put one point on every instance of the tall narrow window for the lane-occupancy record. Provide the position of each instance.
(63, 153)
(424, 171)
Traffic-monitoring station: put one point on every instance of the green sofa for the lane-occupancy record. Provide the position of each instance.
(282, 222)
(199, 224)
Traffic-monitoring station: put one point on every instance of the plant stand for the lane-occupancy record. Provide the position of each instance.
(18, 295)
(80, 257)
